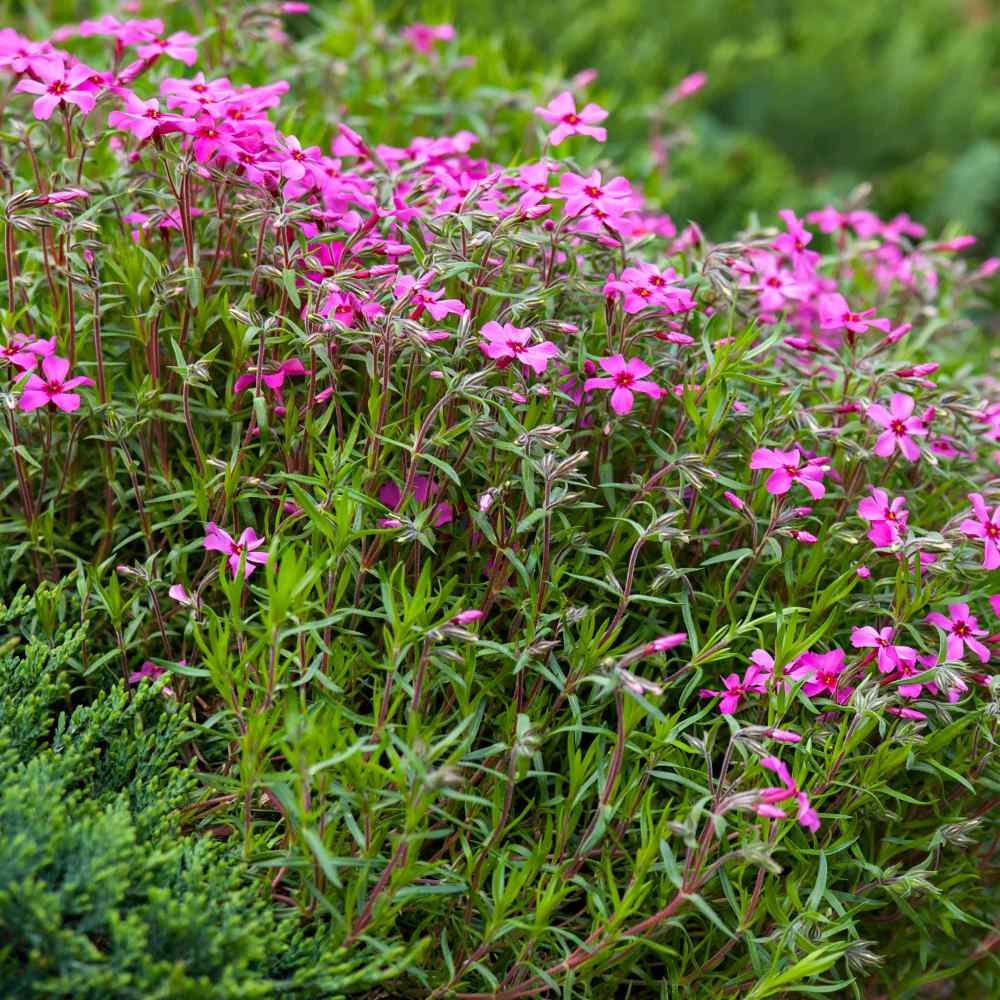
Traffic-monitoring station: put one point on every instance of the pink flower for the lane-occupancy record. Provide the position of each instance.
(181, 596)
(835, 314)
(691, 84)
(210, 138)
(863, 572)
(821, 673)
(735, 689)
(217, 540)
(273, 380)
(561, 111)
(23, 352)
(57, 84)
(646, 286)
(149, 670)
(142, 118)
(513, 343)
(294, 162)
(467, 617)
(794, 242)
(788, 470)
(423, 36)
(962, 630)
(391, 495)
(783, 735)
(890, 656)
(180, 46)
(887, 520)
(626, 378)
(806, 815)
(754, 681)
(421, 297)
(985, 526)
(665, 642)
(52, 387)
(806, 537)
(786, 790)
(900, 427)
(582, 193)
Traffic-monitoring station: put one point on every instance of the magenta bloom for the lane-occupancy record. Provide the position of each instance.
(561, 112)
(391, 495)
(985, 526)
(787, 470)
(646, 285)
(421, 297)
(273, 380)
(294, 162)
(467, 617)
(821, 672)
(513, 343)
(786, 790)
(611, 197)
(23, 352)
(887, 519)
(180, 46)
(52, 387)
(835, 314)
(962, 630)
(735, 690)
(900, 427)
(691, 84)
(665, 642)
(626, 378)
(890, 656)
(423, 36)
(57, 84)
(806, 815)
(148, 669)
(142, 118)
(217, 540)
(754, 681)
(794, 242)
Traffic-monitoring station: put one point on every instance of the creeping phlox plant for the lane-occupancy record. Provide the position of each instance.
(539, 581)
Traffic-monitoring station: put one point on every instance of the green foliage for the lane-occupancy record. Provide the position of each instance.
(102, 894)
(338, 783)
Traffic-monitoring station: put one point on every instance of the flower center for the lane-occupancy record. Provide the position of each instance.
(571, 119)
(898, 428)
(961, 629)
(592, 192)
(624, 379)
(58, 88)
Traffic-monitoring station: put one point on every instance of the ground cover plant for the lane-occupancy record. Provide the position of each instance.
(431, 570)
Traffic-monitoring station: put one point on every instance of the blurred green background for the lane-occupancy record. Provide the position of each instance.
(805, 99)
